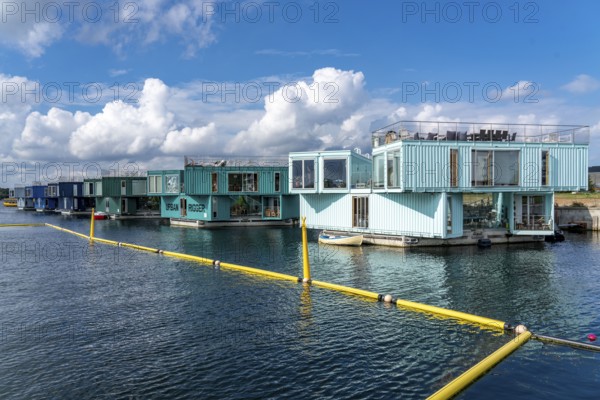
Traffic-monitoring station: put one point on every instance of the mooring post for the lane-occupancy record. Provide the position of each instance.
(92, 225)
(305, 261)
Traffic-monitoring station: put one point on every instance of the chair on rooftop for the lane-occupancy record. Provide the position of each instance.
(462, 136)
(505, 136)
(431, 136)
(450, 135)
(514, 135)
(390, 136)
(497, 137)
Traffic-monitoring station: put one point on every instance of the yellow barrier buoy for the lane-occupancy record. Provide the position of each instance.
(305, 260)
(92, 225)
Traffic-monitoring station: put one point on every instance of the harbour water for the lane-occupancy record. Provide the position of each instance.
(96, 321)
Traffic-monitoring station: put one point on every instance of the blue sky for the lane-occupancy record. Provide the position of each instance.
(148, 81)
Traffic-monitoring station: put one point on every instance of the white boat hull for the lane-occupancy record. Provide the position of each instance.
(341, 240)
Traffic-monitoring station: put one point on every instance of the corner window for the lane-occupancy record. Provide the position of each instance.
(303, 174)
(334, 174)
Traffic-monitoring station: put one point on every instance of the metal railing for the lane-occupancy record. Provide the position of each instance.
(480, 132)
(232, 161)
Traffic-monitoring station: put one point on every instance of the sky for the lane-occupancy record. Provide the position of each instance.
(125, 85)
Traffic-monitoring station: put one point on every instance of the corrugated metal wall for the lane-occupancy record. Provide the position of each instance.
(411, 214)
(327, 210)
(198, 180)
(426, 165)
(169, 206)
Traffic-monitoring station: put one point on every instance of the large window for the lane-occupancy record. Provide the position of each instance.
(335, 173)
(495, 168)
(154, 184)
(215, 182)
(379, 171)
(303, 174)
(243, 182)
(172, 183)
(393, 169)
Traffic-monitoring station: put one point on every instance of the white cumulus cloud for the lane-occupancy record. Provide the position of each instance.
(191, 141)
(306, 115)
(122, 130)
(582, 84)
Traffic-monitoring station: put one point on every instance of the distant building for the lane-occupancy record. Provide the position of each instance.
(217, 192)
(594, 174)
(117, 196)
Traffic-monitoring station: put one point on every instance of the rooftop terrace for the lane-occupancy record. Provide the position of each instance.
(480, 132)
(232, 161)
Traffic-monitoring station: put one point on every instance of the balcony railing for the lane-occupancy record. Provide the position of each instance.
(535, 223)
(480, 132)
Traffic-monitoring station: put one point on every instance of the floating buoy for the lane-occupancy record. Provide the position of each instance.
(591, 337)
(520, 329)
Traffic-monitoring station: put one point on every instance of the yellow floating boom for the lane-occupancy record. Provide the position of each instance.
(471, 375)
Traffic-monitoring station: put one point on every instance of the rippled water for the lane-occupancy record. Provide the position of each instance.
(95, 321)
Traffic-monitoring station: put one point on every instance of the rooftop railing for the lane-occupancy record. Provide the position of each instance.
(481, 132)
(229, 161)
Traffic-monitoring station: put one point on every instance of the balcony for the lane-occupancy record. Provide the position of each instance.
(535, 223)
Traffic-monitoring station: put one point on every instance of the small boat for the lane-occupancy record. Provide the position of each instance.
(10, 202)
(340, 239)
(100, 215)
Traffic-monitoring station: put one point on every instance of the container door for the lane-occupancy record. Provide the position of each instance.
(183, 207)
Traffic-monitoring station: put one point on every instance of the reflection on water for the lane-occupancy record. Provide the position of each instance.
(88, 321)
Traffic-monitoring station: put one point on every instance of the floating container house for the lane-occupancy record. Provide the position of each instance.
(432, 183)
(117, 196)
(224, 192)
(71, 198)
(24, 197)
(45, 197)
